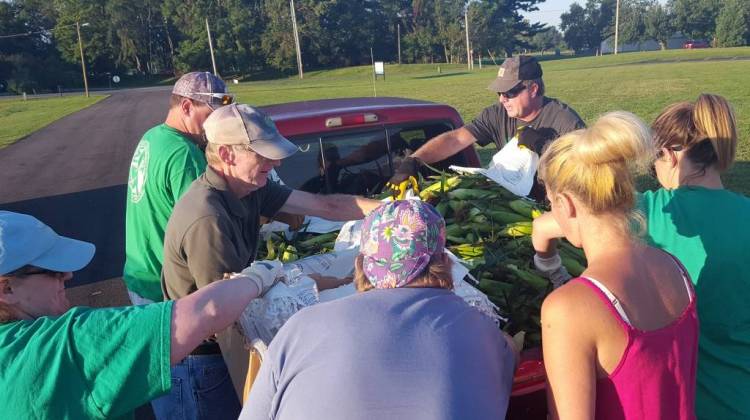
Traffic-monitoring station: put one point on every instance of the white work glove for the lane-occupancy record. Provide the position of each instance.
(552, 269)
(264, 274)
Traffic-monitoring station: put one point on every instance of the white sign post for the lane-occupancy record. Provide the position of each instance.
(379, 69)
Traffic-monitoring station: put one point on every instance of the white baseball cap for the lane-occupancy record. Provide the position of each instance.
(242, 124)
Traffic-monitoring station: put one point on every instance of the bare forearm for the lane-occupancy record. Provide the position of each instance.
(346, 207)
(545, 234)
(206, 312)
(444, 145)
(332, 207)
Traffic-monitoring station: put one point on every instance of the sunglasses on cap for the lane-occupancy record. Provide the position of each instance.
(218, 98)
(32, 271)
(512, 93)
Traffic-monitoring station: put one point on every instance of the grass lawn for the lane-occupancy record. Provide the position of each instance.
(642, 83)
(19, 118)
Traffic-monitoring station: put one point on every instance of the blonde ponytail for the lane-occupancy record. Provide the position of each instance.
(706, 130)
(715, 120)
(598, 165)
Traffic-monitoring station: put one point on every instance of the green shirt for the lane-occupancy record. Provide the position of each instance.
(86, 364)
(708, 230)
(164, 165)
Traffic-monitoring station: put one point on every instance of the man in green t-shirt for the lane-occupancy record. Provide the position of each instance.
(83, 363)
(166, 161)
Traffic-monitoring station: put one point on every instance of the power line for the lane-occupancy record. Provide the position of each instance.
(44, 31)
(21, 35)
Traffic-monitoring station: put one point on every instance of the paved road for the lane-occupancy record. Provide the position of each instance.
(73, 173)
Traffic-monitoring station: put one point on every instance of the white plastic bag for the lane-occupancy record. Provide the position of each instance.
(265, 315)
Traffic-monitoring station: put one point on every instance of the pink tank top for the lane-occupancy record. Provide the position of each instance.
(655, 378)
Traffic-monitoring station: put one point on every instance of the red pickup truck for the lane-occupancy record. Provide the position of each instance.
(353, 145)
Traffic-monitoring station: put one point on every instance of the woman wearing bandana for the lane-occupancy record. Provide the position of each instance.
(404, 347)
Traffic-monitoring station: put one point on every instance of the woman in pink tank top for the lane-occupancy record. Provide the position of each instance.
(619, 342)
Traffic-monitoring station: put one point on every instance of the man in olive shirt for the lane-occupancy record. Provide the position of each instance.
(214, 228)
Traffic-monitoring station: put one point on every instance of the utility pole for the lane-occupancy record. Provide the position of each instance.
(372, 60)
(83, 61)
(466, 25)
(398, 29)
(211, 48)
(617, 24)
(296, 40)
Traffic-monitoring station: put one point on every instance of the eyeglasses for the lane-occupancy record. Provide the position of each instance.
(33, 271)
(512, 93)
(218, 98)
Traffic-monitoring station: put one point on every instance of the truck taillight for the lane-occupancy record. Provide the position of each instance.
(353, 119)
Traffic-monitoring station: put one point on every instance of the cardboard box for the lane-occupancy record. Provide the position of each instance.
(243, 363)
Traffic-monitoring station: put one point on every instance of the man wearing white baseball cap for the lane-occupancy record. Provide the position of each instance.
(85, 363)
(214, 228)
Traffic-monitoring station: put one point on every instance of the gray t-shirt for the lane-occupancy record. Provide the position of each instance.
(494, 125)
(408, 353)
(212, 232)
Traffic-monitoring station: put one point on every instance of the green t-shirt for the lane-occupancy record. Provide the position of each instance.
(708, 230)
(164, 165)
(85, 364)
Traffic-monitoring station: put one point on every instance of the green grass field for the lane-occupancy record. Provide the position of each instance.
(642, 83)
(19, 118)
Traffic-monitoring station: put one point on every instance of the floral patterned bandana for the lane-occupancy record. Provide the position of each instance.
(398, 241)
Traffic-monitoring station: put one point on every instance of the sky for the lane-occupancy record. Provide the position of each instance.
(549, 12)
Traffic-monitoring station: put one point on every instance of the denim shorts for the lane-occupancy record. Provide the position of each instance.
(201, 389)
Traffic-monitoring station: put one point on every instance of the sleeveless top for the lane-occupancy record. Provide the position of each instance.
(655, 378)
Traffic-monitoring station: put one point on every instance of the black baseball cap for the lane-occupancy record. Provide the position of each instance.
(513, 71)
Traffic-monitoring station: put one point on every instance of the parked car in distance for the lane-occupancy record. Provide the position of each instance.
(353, 145)
(695, 43)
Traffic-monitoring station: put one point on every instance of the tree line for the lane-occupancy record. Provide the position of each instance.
(723, 23)
(145, 38)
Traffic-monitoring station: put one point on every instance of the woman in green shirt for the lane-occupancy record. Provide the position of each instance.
(83, 363)
(707, 227)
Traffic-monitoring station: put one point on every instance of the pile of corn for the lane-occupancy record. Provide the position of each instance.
(487, 227)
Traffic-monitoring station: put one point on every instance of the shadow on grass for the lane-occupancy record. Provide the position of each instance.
(441, 75)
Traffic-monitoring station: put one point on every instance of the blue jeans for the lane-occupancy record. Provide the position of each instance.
(201, 389)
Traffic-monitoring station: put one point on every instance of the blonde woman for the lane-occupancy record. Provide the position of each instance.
(708, 228)
(619, 341)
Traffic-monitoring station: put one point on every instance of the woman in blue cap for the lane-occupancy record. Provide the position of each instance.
(62, 363)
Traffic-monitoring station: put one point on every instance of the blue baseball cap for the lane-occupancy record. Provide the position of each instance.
(24, 240)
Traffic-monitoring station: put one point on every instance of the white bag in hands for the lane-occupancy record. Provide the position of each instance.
(513, 167)
(265, 315)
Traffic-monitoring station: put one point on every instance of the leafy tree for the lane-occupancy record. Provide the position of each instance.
(449, 19)
(696, 18)
(633, 21)
(659, 24)
(31, 62)
(585, 29)
(733, 24)
(96, 36)
(277, 41)
(547, 40)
